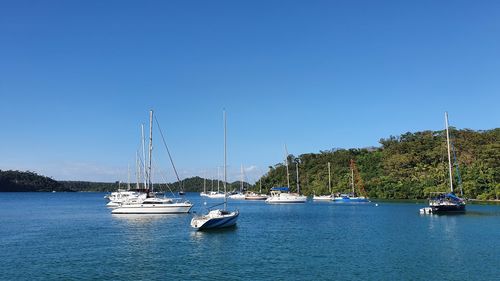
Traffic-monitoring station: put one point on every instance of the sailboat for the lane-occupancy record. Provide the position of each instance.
(352, 197)
(326, 197)
(152, 204)
(239, 195)
(256, 196)
(216, 194)
(204, 192)
(218, 218)
(130, 195)
(443, 202)
(181, 189)
(283, 195)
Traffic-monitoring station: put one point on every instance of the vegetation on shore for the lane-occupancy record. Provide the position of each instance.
(409, 166)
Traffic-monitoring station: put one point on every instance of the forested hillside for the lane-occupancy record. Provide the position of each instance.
(404, 167)
(27, 181)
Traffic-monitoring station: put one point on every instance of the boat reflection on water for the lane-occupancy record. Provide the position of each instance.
(137, 219)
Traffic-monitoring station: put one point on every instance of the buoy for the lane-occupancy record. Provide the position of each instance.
(376, 205)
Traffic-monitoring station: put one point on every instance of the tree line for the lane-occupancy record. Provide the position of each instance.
(409, 166)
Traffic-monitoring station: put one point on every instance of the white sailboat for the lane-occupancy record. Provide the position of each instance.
(152, 204)
(256, 196)
(326, 197)
(282, 195)
(118, 197)
(216, 194)
(204, 192)
(218, 218)
(239, 195)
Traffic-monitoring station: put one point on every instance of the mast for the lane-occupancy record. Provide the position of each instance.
(128, 177)
(150, 149)
(205, 182)
(225, 162)
(286, 164)
(137, 171)
(297, 168)
(241, 181)
(260, 190)
(449, 154)
(144, 158)
(352, 177)
(218, 179)
(329, 179)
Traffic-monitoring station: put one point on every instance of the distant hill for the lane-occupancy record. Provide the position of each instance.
(17, 181)
(28, 182)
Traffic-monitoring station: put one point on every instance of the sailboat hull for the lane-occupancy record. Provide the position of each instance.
(444, 209)
(322, 197)
(174, 208)
(256, 197)
(286, 199)
(215, 219)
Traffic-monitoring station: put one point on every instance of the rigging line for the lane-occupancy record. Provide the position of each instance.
(168, 151)
(161, 173)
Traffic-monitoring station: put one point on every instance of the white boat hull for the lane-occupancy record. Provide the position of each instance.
(237, 196)
(218, 195)
(215, 219)
(285, 198)
(256, 197)
(173, 208)
(322, 198)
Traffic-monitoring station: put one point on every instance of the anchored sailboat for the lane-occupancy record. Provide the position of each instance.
(218, 218)
(442, 202)
(353, 197)
(152, 204)
(282, 195)
(216, 194)
(239, 195)
(256, 196)
(326, 197)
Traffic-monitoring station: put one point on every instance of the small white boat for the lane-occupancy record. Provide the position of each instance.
(255, 196)
(215, 194)
(219, 218)
(117, 198)
(237, 196)
(322, 197)
(215, 219)
(325, 197)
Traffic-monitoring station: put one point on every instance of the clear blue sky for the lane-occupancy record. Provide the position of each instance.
(78, 77)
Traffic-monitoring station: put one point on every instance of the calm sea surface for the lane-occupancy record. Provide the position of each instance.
(73, 236)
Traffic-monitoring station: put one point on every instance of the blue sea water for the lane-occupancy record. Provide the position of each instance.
(73, 236)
